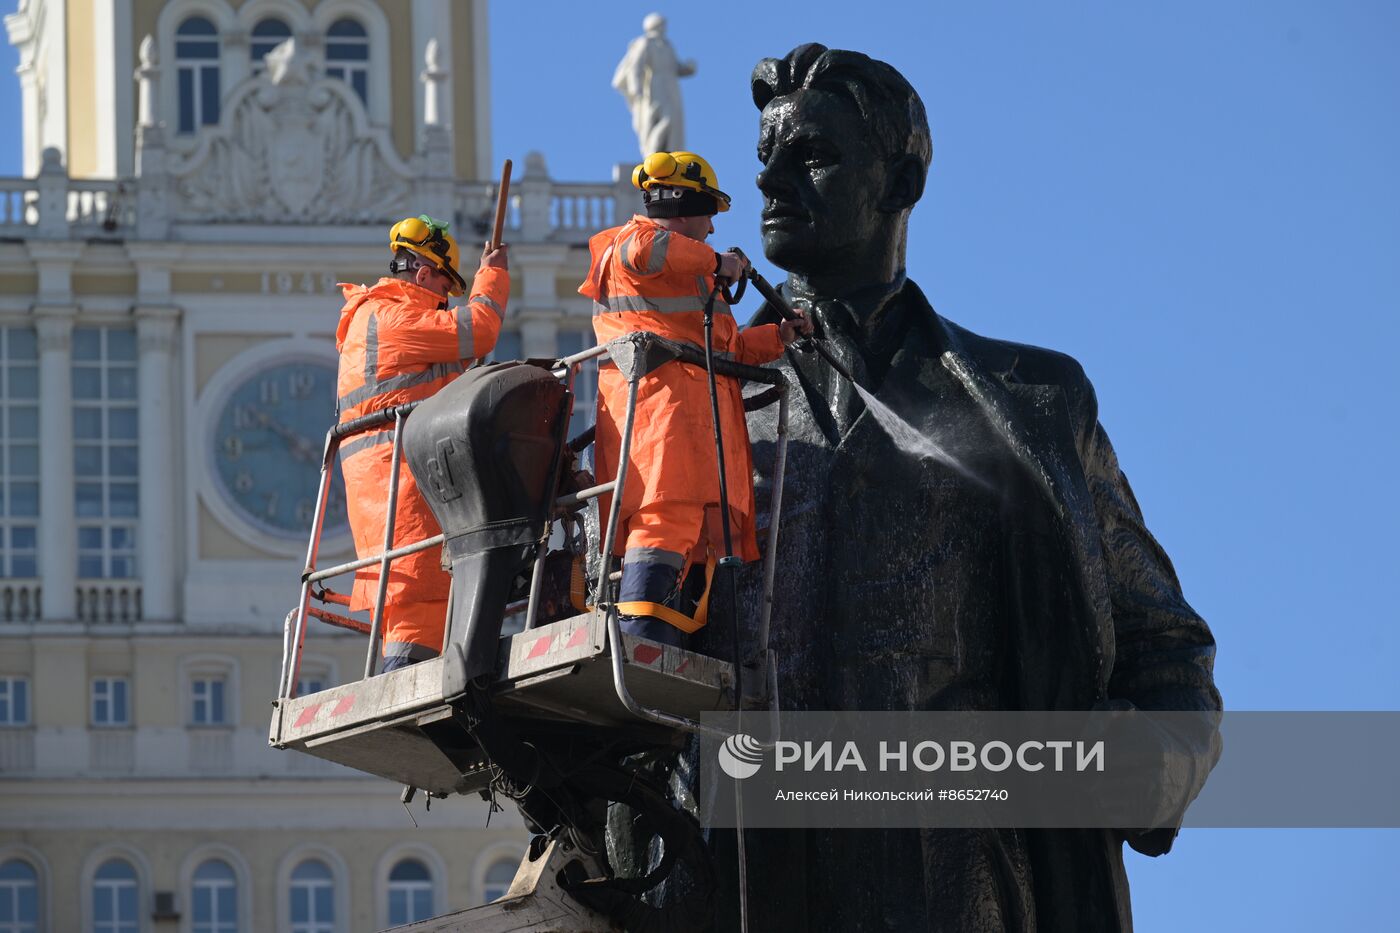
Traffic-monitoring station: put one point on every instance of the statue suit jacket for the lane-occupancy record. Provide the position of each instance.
(1096, 618)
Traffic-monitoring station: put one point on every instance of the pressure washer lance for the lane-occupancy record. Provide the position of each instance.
(780, 304)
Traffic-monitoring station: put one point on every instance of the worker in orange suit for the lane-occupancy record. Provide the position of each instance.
(655, 273)
(399, 342)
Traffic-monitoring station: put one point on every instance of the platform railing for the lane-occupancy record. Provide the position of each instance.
(638, 348)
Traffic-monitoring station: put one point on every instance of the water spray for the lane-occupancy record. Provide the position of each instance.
(905, 435)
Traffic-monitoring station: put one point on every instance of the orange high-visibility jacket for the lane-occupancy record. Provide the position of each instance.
(646, 278)
(398, 345)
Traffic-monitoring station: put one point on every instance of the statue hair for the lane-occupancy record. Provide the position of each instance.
(885, 99)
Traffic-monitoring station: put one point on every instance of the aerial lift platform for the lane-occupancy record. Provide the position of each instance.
(563, 716)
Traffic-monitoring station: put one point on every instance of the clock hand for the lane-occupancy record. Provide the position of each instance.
(298, 445)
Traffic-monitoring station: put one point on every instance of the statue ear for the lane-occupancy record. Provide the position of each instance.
(904, 184)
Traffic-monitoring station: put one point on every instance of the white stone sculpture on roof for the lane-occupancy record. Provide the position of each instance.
(648, 77)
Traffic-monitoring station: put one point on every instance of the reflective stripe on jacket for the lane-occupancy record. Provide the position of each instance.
(399, 344)
(646, 278)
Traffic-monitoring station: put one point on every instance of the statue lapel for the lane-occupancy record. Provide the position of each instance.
(1033, 419)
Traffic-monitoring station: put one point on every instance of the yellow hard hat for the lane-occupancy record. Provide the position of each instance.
(679, 170)
(428, 238)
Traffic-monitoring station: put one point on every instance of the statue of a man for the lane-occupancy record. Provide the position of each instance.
(1026, 580)
(648, 77)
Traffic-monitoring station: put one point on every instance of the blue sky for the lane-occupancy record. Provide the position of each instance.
(1201, 202)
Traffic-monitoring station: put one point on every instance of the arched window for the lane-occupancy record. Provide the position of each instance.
(214, 898)
(410, 892)
(197, 73)
(19, 897)
(267, 35)
(498, 879)
(114, 898)
(312, 898)
(347, 55)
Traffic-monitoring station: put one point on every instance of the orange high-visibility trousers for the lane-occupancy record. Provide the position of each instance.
(419, 623)
(668, 533)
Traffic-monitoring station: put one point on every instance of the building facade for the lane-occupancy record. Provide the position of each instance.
(198, 176)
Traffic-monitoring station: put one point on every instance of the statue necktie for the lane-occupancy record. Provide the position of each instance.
(837, 324)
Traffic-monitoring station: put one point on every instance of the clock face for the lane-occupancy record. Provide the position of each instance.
(267, 442)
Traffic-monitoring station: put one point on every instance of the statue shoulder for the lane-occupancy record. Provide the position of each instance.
(629, 68)
(1027, 364)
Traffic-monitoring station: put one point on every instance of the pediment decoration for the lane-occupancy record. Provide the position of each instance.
(291, 146)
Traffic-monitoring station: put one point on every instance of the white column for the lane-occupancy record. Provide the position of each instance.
(58, 543)
(156, 535)
(539, 336)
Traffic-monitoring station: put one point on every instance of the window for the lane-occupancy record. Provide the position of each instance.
(197, 73)
(114, 897)
(507, 347)
(585, 383)
(207, 706)
(267, 35)
(14, 701)
(312, 680)
(312, 898)
(19, 897)
(105, 451)
(19, 452)
(410, 892)
(498, 879)
(109, 702)
(347, 56)
(214, 898)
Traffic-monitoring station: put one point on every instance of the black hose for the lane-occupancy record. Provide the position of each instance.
(726, 574)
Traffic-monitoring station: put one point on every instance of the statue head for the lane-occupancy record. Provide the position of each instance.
(654, 24)
(845, 149)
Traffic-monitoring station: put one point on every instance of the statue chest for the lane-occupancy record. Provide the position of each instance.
(901, 536)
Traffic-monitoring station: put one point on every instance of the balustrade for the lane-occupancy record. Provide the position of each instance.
(107, 601)
(111, 208)
(19, 601)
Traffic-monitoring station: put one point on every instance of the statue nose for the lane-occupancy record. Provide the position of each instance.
(772, 178)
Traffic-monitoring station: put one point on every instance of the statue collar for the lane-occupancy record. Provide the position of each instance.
(866, 305)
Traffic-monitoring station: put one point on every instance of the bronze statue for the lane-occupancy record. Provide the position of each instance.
(1013, 573)
(1029, 582)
